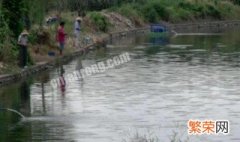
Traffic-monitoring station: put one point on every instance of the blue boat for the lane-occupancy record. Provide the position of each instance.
(158, 28)
(159, 35)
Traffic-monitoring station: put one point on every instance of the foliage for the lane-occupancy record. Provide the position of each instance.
(18, 14)
(100, 21)
(36, 11)
(236, 2)
(132, 12)
(8, 51)
(180, 10)
(13, 12)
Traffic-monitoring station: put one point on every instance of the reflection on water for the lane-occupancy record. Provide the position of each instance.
(16, 100)
(62, 81)
(166, 84)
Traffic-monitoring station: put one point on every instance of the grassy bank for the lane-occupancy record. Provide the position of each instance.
(124, 15)
(179, 10)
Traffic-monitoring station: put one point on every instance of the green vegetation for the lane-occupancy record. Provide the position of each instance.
(180, 10)
(16, 15)
(99, 21)
(151, 137)
(8, 50)
(14, 97)
(11, 18)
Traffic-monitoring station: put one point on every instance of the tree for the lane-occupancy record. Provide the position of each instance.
(236, 2)
(13, 13)
(8, 51)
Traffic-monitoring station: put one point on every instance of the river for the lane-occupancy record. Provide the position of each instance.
(168, 81)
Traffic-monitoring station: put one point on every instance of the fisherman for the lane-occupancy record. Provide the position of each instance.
(77, 30)
(61, 37)
(23, 53)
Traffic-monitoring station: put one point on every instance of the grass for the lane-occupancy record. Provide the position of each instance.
(150, 137)
(131, 11)
(8, 49)
(179, 10)
(140, 12)
(99, 21)
(9, 68)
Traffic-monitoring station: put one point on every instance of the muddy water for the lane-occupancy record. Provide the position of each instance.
(168, 81)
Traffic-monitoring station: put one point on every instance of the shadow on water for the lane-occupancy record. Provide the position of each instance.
(16, 100)
(16, 115)
(15, 107)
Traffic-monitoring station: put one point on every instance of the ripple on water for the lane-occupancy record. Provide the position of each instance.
(157, 92)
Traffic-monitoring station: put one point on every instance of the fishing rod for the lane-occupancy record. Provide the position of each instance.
(14, 111)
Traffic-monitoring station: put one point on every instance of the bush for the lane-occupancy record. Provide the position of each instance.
(128, 10)
(8, 50)
(100, 21)
(180, 10)
(40, 36)
(161, 10)
(158, 8)
(228, 10)
(197, 9)
(151, 16)
(179, 14)
(236, 2)
(13, 11)
(212, 11)
(131, 11)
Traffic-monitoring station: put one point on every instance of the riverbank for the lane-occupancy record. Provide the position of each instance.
(48, 65)
(217, 26)
(99, 18)
(179, 11)
(42, 42)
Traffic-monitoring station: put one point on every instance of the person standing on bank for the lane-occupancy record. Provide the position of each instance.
(61, 35)
(77, 30)
(23, 42)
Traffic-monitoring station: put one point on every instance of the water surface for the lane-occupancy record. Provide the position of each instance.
(168, 81)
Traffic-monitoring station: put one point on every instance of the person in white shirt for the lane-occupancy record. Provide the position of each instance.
(77, 30)
(22, 42)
